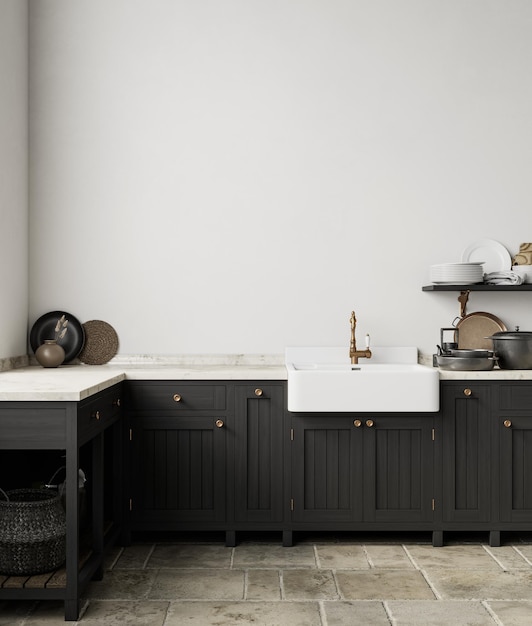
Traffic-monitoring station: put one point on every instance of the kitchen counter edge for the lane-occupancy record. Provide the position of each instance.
(72, 383)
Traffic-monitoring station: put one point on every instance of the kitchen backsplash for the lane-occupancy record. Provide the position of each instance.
(13, 362)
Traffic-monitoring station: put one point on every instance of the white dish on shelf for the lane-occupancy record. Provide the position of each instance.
(496, 257)
(462, 264)
(457, 273)
(455, 282)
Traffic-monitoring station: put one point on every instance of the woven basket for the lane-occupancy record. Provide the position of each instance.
(32, 532)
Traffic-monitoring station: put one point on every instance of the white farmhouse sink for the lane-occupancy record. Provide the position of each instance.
(323, 380)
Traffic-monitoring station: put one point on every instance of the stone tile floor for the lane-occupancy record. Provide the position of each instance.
(324, 580)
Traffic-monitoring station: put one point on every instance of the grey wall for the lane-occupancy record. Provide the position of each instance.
(237, 175)
(13, 177)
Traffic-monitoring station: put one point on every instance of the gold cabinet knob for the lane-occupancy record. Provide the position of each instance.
(177, 397)
(369, 423)
(96, 415)
(467, 392)
(357, 423)
(258, 392)
(219, 423)
(507, 423)
(116, 402)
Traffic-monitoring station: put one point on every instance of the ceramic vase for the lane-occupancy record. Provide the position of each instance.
(50, 353)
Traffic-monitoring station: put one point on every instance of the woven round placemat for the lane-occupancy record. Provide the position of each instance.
(101, 343)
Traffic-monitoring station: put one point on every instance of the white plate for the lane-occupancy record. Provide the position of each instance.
(468, 264)
(495, 256)
(455, 282)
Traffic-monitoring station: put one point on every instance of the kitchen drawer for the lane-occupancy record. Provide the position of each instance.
(177, 396)
(100, 411)
(515, 397)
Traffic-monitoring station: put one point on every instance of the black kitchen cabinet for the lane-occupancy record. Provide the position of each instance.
(178, 435)
(257, 445)
(227, 456)
(87, 432)
(206, 455)
(486, 450)
(360, 472)
(466, 469)
(513, 433)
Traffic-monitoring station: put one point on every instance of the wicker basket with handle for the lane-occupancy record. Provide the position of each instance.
(32, 532)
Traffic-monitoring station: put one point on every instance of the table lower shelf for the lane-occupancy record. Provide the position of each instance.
(55, 581)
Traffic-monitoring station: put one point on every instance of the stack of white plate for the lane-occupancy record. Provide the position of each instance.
(457, 273)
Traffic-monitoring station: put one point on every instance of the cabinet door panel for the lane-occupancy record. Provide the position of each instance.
(466, 453)
(326, 469)
(259, 453)
(516, 468)
(398, 469)
(180, 469)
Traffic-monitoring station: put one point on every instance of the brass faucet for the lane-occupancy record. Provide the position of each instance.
(355, 354)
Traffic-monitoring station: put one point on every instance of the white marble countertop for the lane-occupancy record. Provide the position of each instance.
(74, 382)
(494, 374)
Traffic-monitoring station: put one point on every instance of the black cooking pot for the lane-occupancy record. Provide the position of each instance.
(513, 349)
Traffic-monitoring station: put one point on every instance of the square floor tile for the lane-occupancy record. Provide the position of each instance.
(525, 550)
(439, 613)
(509, 558)
(388, 557)
(481, 584)
(339, 556)
(122, 585)
(383, 585)
(355, 613)
(263, 584)
(184, 555)
(513, 613)
(457, 557)
(309, 585)
(277, 556)
(120, 613)
(134, 557)
(199, 584)
(256, 613)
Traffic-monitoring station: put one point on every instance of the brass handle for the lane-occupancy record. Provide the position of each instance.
(219, 423)
(177, 397)
(467, 392)
(96, 415)
(116, 402)
(258, 392)
(507, 423)
(357, 423)
(369, 423)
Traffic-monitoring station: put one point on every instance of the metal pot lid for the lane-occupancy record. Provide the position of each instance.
(512, 335)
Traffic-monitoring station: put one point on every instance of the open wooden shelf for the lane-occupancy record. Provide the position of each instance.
(478, 287)
(56, 579)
